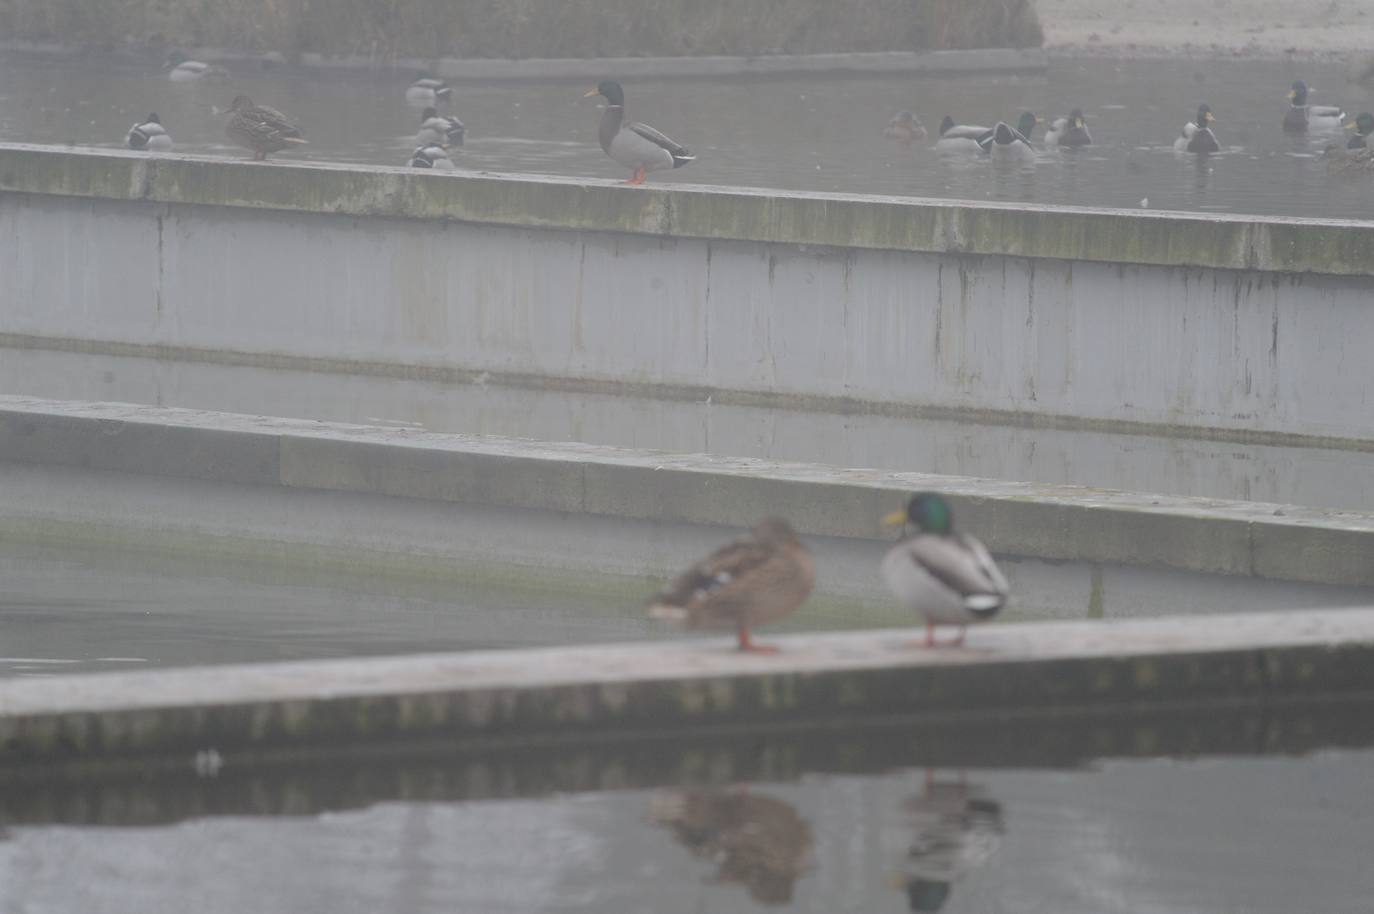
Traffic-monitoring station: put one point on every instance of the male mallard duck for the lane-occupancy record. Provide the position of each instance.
(1363, 127)
(1197, 134)
(1302, 117)
(438, 129)
(957, 828)
(634, 145)
(753, 839)
(428, 91)
(961, 139)
(183, 70)
(905, 128)
(947, 577)
(1010, 147)
(1071, 131)
(149, 135)
(1356, 155)
(750, 582)
(433, 156)
(260, 128)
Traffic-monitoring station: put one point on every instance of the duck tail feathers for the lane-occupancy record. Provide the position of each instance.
(984, 604)
(682, 158)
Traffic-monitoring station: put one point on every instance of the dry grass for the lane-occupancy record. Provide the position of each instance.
(527, 28)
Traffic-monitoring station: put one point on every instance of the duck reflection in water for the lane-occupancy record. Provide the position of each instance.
(756, 840)
(957, 828)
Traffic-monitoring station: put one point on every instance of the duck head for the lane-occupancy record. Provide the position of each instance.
(1363, 125)
(1026, 125)
(927, 510)
(240, 103)
(946, 124)
(1298, 94)
(1076, 118)
(1204, 117)
(153, 119)
(609, 90)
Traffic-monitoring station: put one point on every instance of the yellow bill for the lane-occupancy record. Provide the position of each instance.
(895, 519)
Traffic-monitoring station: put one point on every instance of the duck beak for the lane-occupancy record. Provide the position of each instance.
(895, 519)
(1351, 126)
(590, 92)
(1292, 94)
(1078, 122)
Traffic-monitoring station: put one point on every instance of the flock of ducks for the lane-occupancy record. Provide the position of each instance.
(946, 578)
(1015, 144)
(265, 130)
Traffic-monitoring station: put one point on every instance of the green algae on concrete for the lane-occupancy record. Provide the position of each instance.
(1267, 244)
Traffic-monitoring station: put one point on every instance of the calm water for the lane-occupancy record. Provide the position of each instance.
(842, 822)
(812, 133)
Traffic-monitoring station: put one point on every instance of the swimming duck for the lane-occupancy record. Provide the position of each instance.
(956, 829)
(431, 155)
(428, 91)
(752, 581)
(1363, 127)
(961, 139)
(905, 128)
(150, 135)
(1071, 131)
(1302, 117)
(947, 577)
(1356, 155)
(437, 129)
(753, 839)
(182, 70)
(1197, 134)
(632, 144)
(260, 128)
(1010, 147)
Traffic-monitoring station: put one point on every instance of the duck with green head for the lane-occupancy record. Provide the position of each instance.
(948, 578)
(1197, 134)
(632, 144)
(1302, 117)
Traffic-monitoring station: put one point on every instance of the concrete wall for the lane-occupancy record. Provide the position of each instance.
(1243, 326)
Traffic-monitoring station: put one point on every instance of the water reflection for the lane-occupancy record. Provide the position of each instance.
(956, 829)
(756, 840)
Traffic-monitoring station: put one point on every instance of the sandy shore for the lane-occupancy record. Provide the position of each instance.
(1258, 28)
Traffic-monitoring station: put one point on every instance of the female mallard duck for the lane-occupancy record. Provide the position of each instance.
(1197, 134)
(150, 135)
(905, 128)
(750, 582)
(433, 156)
(947, 577)
(1302, 117)
(1010, 147)
(961, 139)
(428, 91)
(1071, 131)
(633, 144)
(260, 128)
(753, 839)
(438, 129)
(182, 70)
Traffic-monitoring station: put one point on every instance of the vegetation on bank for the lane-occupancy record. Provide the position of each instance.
(386, 29)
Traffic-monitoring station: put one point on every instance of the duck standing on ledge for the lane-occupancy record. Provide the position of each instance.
(1302, 117)
(150, 135)
(947, 577)
(431, 155)
(633, 144)
(1197, 134)
(260, 128)
(750, 582)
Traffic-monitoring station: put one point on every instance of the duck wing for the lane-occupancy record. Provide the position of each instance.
(962, 565)
(659, 139)
(270, 121)
(1325, 111)
(715, 577)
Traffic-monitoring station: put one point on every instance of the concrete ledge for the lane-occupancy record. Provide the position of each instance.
(647, 688)
(1286, 245)
(1026, 519)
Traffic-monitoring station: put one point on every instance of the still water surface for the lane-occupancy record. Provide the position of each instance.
(807, 133)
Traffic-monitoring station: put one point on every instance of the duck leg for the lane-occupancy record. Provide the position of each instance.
(747, 645)
(640, 174)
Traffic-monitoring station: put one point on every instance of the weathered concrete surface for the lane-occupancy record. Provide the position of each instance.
(1041, 521)
(1209, 325)
(653, 688)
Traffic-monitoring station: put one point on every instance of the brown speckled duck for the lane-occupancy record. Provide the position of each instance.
(750, 582)
(260, 128)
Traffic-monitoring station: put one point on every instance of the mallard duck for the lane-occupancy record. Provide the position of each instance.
(428, 91)
(182, 70)
(961, 139)
(750, 582)
(431, 155)
(1071, 131)
(753, 839)
(957, 828)
(1302, 117)
(633, 144)
(150, 134)
(1356, 155)
(1363, 126)
(438, 129)
(1010, 147)
(905, 128)
(260, 128)
(947, 577)
(1197, 134)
